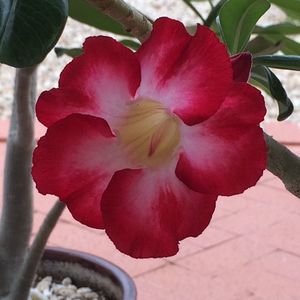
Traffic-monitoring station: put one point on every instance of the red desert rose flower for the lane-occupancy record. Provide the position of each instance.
(141, 144)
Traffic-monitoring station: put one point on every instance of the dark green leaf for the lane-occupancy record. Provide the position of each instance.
(283, 28)
(237, 20)
(29, 29)
(266, 79)
(290, 62)
(73, 52)
(86, 13)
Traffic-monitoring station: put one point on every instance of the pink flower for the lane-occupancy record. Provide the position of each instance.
(141, 144)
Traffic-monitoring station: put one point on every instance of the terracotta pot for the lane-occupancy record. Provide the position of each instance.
(87, 270)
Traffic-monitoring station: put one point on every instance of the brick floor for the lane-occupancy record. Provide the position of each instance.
(250, 251)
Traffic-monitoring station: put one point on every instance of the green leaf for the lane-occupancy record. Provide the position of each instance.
(29, 29)
(290, 7)
(130, 44)
(86, 13)
(261, 46)
(282, 28)
(288, 47)
(237, 20)
(72, 52)
(290, 62)
(266, 79)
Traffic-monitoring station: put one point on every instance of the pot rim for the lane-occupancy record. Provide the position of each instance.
(97, 264)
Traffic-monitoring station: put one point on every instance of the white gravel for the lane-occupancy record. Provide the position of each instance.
(47, 289)
(75, 33)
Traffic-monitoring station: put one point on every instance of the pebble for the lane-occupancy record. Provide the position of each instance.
(47, 289)
(35, 294)
(91, 295)
(83, 290)
(66, 281)
(44, 284)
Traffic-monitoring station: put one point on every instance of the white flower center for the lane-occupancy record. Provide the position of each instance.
(149, 133)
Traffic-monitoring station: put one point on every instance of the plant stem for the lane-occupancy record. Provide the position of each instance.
(284, 164)
(23, 282)
(214, 13)
(132, 20)
(211, 4)
(194, 9)
(16, 219)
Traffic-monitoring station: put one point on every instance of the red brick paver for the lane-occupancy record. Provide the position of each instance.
(250, 251)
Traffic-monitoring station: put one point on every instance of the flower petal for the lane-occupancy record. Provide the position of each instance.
(147, 213)
(226, 154)
(189, 74)
(58, 103)
(75, 161)
(241, 65)
(100, 82)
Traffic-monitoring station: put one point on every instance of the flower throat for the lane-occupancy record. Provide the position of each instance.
(149, 133)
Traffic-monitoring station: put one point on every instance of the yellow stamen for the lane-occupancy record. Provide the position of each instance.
(149, 133)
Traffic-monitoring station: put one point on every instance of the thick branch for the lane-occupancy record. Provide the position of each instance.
(23, 280)
(16, 219)
(132, 20)
(284, 164)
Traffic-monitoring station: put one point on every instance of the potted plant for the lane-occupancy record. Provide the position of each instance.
(87, 270)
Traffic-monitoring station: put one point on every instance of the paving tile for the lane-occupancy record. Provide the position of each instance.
(282, 263)
(251, 282)
(212, 237)
(295, 149)
(44, 203)
(248, 282)
(266, 177)
(173, 282)
(221, 212)
(273, 194)
(209, 238)
(2, 153)
(283, 131)
(187, 247)
(254, 218)
(4, 127)
(273, 181)
(227, 256)
(233, 204)
(283, 235)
